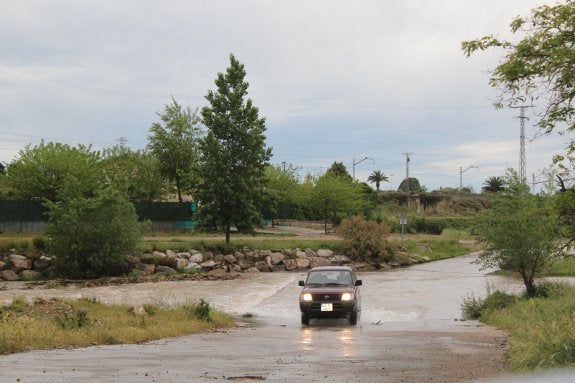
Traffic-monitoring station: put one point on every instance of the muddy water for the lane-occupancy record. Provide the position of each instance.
(409, 331)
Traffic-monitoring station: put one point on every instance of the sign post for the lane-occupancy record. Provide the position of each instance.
(403, 222)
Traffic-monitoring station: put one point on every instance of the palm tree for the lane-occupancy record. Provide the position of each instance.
(377, 177)
(493, 184)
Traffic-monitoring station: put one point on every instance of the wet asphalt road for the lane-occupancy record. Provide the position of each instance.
(409, 331)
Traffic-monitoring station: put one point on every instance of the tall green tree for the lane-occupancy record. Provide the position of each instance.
(233, 155)
(377, 177)
(338, 169)
(540, 68)
(174, 141)
(520, 232)
(493, 184)
(39, 171)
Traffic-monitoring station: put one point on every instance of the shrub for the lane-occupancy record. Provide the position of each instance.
(203, 310)
(39, 243)
(363, 239)
(472, 307)
(90, 236)
(74, 320)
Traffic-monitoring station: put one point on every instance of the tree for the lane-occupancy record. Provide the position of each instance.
(377, 177)
(519, 233)
(540, 68)
(410, 185)
(493, 184)
(174, 141)
(338, 169)
(233, 155)
(137, 173)
(279, 190)
(333, 195)
(39, 171)
(90, 236)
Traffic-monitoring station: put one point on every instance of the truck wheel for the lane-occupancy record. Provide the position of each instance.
(304, 319)
(353, 318)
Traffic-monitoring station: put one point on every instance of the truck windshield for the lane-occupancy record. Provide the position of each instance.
(329, 277)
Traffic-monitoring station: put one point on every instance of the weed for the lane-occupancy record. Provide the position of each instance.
(472, 307)
(52, 284)
(75, 320)
(202, 311)
(134, 276)
(150, 309)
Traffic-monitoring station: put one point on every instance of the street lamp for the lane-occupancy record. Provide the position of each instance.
(355, 163)
(461, 171)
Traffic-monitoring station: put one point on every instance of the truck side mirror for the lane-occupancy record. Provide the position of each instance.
(358, 282)
(301, 283)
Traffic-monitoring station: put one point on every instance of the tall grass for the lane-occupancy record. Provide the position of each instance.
(65, 323)
(541, 330)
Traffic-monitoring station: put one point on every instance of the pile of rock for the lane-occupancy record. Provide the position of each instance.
(15, 266)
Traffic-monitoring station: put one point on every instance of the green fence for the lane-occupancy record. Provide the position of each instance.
(18, 211)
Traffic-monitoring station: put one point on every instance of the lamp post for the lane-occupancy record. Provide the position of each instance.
(355, 163)
(461, 171)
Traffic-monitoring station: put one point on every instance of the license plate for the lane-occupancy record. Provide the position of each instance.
(326, 307)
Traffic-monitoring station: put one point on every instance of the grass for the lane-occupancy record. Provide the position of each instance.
(541, 330)
(65, 323)
(561, 267)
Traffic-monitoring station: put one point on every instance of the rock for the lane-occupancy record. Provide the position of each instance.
(197, 258)
(193, 266)
(245, 264)
(171, 254)
(132, 260)
(302, 263)
(8, 275)
(318, 261)
(208, 255)
(261, 266)
(138, 310)
(19, 263)
(340, 260)
(184, 255)
(145, 268)
(2, 264)
(165, 270)
(264, 253)
(287, 252)
(290, 264)
(300, 254)
(180, 263)
(218, 257)
(361, 266)
(310, 253)
(252, 270)
(30, 275)
(208, 264)
(324, 253)
(276, 258)
(230, 258)
(217, 272)
(155, 258)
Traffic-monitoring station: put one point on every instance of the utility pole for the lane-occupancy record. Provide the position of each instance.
(522, 162)
(122, 141)
(407, 164)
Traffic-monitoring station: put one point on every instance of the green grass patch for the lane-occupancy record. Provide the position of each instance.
(65, 323)
(541, 330)
(561, 267)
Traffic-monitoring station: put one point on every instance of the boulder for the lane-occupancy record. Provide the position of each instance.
(184, 255)
(138, 310)
(310, 253)
(252, 270)
(196, 258)
(145, 268)
(264, 253)
(179, 263)
(19, 262)
(261, 266)
(165, 270)
(217, 272)
(132, 260)
(340, 260)
(193, 266)
(245, 264)
(229, 258)
(171, 253)
(209, 264)
(302, 263)
(30, 275)
(2, 265)
(318, 261)
(154, 258)
(290, 264)
(218, 257)
(8, 275)
(324, 253)
(300, 254)
(276, 258)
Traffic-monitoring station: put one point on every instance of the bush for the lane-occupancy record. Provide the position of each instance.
(363, 239)
(473, 307)
(90, 236)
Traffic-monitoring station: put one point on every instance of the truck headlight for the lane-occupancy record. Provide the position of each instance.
(347, 296)
(306, 297)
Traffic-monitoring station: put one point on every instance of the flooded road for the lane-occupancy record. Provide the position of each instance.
(409, 331)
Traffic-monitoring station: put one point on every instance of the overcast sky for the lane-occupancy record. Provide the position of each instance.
(336, 80)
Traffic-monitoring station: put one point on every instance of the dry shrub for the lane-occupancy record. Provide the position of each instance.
(363, 240)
